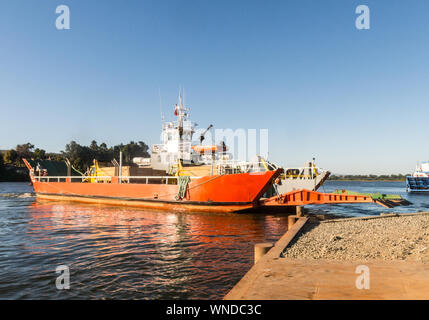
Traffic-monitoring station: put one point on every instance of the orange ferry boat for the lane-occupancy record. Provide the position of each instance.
(199, 185)
(180, 176)
(217, 193)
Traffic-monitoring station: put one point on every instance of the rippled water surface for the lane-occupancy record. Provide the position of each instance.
(420, 201)
(127, 253)
(123, 253)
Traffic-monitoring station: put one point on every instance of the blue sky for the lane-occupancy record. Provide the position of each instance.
(357, 100)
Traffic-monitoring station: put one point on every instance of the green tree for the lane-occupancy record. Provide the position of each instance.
(1, 164)
(93, 145)
(24, 151)
(39, 154)
(133, 149)
(81, 157)
(11, 157)
(54, 156)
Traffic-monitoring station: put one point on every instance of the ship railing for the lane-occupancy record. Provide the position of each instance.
(302, 172)
(230, 167)
(108, 179)
(236, 166)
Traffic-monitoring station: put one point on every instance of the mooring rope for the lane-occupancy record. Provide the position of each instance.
(182, 181)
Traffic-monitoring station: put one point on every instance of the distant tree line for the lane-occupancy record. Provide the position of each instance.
(1, 166)
(370, 177)
(8, 170)
(13, 157)
(80, 156)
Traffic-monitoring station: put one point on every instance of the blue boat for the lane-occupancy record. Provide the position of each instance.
(419, 181)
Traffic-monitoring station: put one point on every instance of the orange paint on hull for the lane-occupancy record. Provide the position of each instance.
(179, 207)
(220, 193)
(306, 197)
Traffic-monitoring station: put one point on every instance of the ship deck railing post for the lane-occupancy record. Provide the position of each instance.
(120, 166)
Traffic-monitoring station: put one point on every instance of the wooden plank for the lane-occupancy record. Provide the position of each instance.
(274, 277)
(241, 288)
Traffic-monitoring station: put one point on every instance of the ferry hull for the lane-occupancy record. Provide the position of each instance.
(417, 184)
(153, 205)
(221, 193)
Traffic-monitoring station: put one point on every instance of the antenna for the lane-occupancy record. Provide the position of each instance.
(160, 105)
(178, 98)
(183, 96)
(181, 101)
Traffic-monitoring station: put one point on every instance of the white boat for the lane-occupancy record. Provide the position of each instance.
(419, 181)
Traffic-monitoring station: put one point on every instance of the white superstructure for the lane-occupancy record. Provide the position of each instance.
(178, 148)
(422, 170)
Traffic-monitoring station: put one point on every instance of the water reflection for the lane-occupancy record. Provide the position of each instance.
(122, 253)
(128, 253)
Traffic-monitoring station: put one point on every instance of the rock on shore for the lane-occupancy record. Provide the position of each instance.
(389, 238)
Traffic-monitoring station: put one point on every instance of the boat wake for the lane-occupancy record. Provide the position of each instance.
(17, 195)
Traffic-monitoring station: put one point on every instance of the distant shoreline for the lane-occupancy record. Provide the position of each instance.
(14, 174)
(369, 177)
(369, 180)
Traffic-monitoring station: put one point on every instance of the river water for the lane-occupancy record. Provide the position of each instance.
(127, 253)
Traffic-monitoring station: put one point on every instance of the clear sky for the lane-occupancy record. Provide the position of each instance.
(357, 100)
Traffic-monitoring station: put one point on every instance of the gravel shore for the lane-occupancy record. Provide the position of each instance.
(388, 238)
